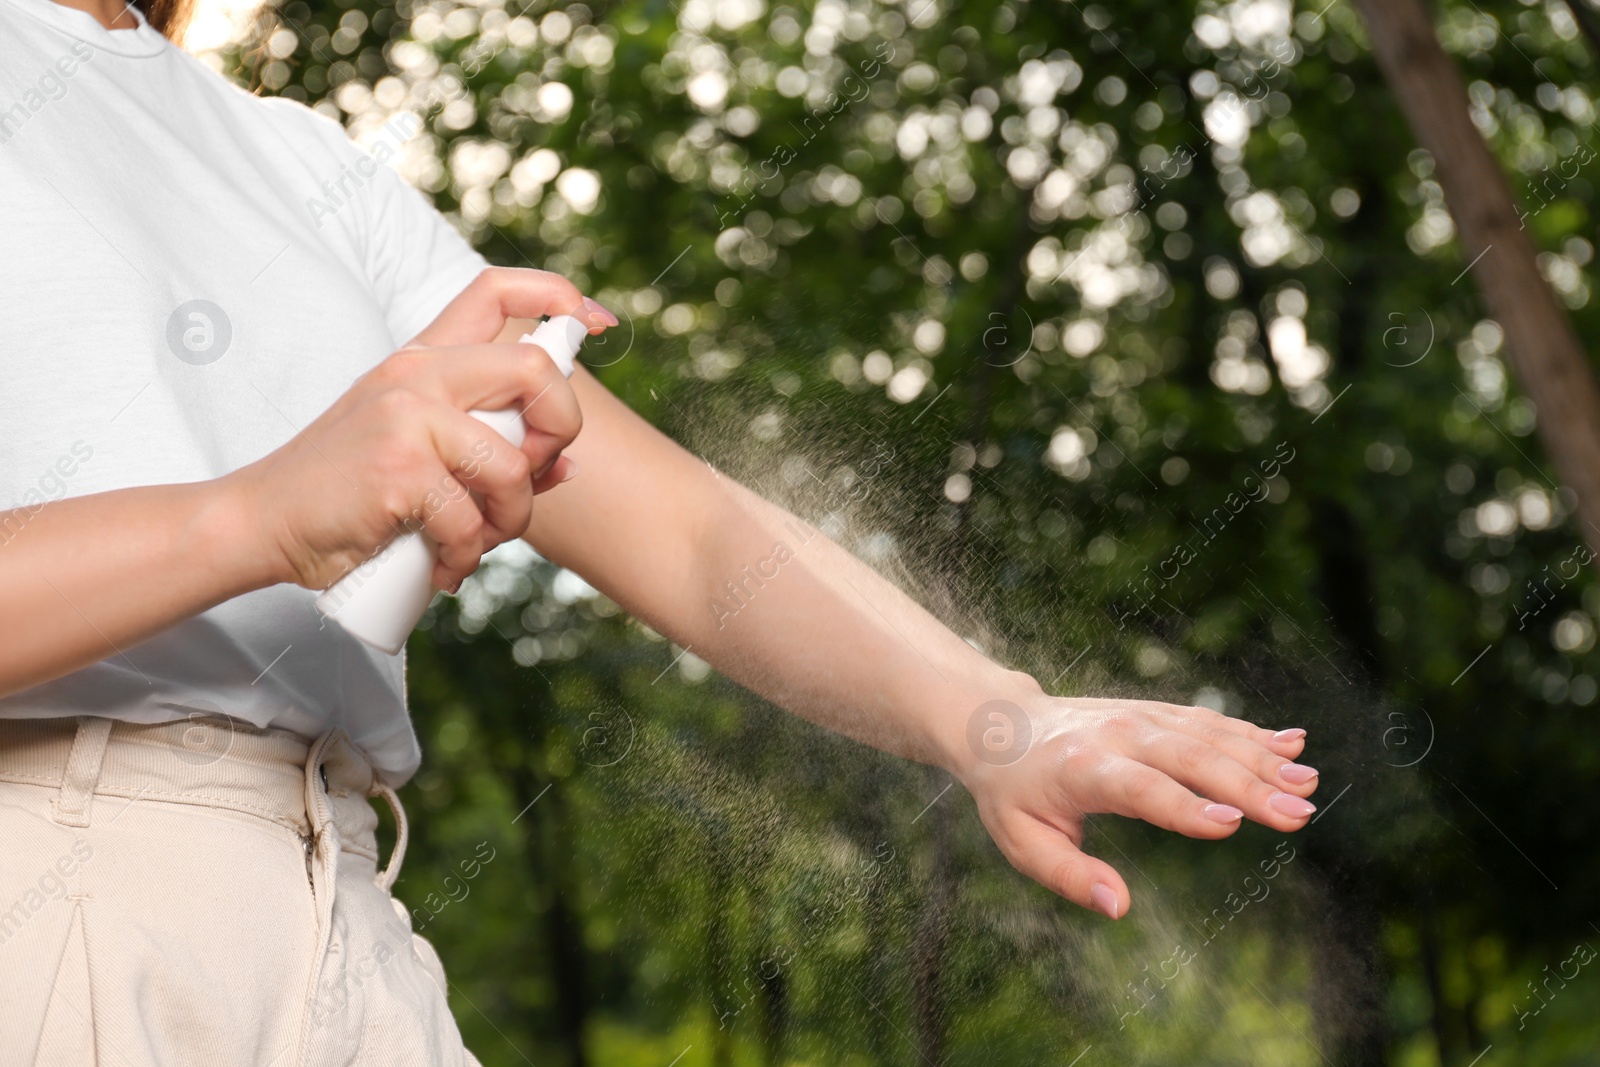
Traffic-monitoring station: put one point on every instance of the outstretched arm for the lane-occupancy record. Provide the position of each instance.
(811, 628)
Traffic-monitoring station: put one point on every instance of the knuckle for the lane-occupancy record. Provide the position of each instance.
(536, 361)
(1119, 723)
(1260, 793)
(396, 503)
(1062, 875)
(572, 423)
(401, 366)
(1141, 785)
(518, 467)
(1077, 762)
(456, 547)
(396, 405)
(1019, 859)
(540, 375)
(1193, 756)
(496, 279)
(557, 281)
(561, 421)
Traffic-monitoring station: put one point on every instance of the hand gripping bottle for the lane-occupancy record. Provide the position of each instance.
(382, 600)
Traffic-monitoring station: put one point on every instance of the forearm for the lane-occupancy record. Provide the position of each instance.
(87, 578)
(767, 600)
(775, 604)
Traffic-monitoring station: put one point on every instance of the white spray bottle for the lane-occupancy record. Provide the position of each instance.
(382, 600)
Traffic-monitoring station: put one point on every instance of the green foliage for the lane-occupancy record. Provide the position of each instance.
(1158, 311)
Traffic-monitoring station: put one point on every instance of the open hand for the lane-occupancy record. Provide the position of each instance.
(1040, 764)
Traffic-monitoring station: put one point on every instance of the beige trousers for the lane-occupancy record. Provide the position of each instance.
(204, 894)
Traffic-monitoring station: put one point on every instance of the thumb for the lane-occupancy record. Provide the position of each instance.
(479, 312)
(1050, 858)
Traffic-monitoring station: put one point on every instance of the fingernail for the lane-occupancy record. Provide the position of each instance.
(572, 468)
(1103, 899)
(1289, 735)
(1223, 813)
(1296, 774)
(1291, 806)
(597, 315)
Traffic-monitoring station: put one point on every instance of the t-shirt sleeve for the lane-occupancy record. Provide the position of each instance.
(416, 260)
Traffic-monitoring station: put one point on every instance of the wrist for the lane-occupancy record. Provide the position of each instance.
(227, 518)
(989, 724)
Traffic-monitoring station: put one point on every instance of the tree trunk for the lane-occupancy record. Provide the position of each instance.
(1551, 366)
(1348, 974)
(1444, 1039)
(548, 861)
(1348, 978)
(774, 1014)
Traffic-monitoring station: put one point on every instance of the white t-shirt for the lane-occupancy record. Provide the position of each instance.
(189, 275)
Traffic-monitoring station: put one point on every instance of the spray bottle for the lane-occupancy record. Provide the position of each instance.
(381, 601)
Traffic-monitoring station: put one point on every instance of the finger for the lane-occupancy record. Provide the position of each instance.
(460, 526)
(518, 377)
(499, 472)
(563, 469)
(455, 525)
(1266, 764)
(1130, 787)
(553, 411)
(486, 376)
(479, 311)
(1050, 858)
(1289, 743)
(1206, 770)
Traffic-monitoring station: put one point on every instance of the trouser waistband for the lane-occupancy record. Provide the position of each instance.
(311, 787)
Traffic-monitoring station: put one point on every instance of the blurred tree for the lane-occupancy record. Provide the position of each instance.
(1128, 339)
(1550, 362)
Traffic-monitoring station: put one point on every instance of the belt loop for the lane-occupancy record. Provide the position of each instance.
(82, 773)
(318, 809)
(386, 878)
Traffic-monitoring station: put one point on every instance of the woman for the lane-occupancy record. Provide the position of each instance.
(218, 400)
